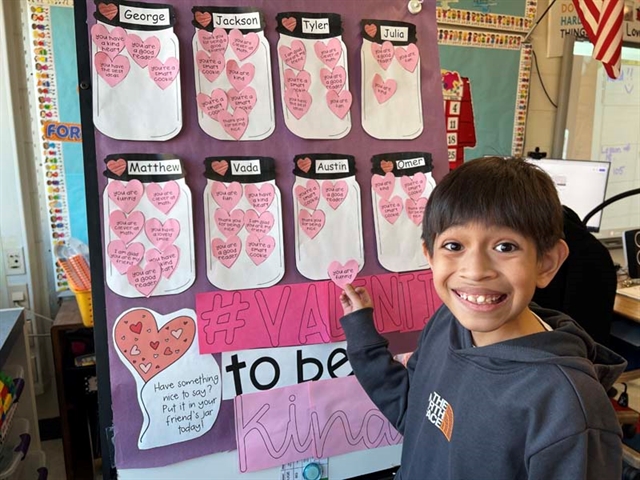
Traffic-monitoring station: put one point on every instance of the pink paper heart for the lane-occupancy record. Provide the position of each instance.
(258, 224)
(383, 54)
(229, 224)
(162, 235)
(214, 104)
(168, 260)
(391, 209)
(408, 57)
(260, 198)
(235, 124)
(341, 275)
(414, 185)
(330, 53)
(311, 223)
(214, 42)
(259, 249)
(246, 99)
(226, 196)
(240, 76)
(298, 103)
(333, 79)
(383, 185)
(163, 197)
(415, 209)
(339, 103)
(309, 195)
(145, 280)
(299, 82)
(123, 257)
(111, 71)
(142, 51)
(126, 227)
(163, 74)
(110, 43)
(211, 66)
(335, 193)
(294, 56)
(125, 196)
(243, 45)
(383, 90)
(226, 252)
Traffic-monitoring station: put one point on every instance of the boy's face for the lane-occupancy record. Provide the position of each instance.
(487, 276)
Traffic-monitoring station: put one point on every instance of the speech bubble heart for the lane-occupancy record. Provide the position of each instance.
(308, 195)
(125, 196)
(341, 274)
(163, 197)
(383, 185)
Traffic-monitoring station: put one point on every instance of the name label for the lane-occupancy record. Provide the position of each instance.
(234, 20)
(317, 26)
(154, 167)
(332, 166)
(251, 167)
(410, 163)
(145, 16)
(394, 33)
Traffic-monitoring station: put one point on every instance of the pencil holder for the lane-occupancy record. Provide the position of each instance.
(86, 307)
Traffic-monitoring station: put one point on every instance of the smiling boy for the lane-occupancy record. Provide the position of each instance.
(497, 388)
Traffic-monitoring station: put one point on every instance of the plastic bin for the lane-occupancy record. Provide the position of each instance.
(85, 305)
(15, 449)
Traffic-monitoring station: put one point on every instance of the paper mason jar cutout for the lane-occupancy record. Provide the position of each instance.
(327, 213)
(400, 188)
(148, 226)
(136, 71)
(314, 75)
(243, 223)
(458, 114)
(391, 91)
(231, 57)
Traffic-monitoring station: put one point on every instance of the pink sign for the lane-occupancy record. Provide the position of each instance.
(308, 313)
(313, 419)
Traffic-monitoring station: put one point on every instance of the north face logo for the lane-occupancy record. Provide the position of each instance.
(440, 413)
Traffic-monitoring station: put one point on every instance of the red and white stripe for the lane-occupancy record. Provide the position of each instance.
(602, 20)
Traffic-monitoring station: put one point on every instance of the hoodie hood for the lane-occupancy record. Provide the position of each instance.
(568, 346)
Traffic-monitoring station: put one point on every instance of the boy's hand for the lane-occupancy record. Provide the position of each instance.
(354, 299)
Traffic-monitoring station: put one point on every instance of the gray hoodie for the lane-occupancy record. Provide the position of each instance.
(533, 407)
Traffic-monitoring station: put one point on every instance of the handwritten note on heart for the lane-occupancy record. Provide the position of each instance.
(142, 51)
(213, 104)
(383, 54)
(414, 185)
(299, 82)
(226, 252)
(235, 124)
(163, 197)
(243, 45)
(123, 257)
(335, 193)
(339, 103)
(125, 196)
(240, 76)
(298, 103)
(383, 90)
(211, 66)
(138, 329)
(311, 223)
(294, 56)
(408, 57)
(383, 185)
(163, 74)
(111, 71)
(309, 195)
(341, 274)
(259, 249)
(145, 280)
(333, 79)
(161, 234)
(390, 209)
(330, 53)
(117, 167)
(258, 224)
(110, 43)
(226, 196)
(246, 99)
(168, 260)
(415, 209)
(126, 227)
(229, 224)
(214, 42)
(260, 197)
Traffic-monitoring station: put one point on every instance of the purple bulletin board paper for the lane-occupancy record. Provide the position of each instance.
(193, 145)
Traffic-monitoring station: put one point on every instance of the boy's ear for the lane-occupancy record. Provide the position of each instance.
(551, 262)
(425, 251)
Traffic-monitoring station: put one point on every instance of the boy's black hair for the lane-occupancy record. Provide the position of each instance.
(496, 191)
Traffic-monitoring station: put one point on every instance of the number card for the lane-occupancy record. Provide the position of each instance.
(148, 226)
(136, 71)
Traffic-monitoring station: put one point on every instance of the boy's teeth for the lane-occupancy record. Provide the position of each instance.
(480, 299)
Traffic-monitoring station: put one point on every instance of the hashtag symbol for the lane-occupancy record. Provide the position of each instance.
(224, 318)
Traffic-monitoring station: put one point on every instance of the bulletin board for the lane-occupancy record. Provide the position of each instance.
(508, 15)
(366, 143)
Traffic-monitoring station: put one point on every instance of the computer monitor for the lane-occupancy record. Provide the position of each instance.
(581, 185)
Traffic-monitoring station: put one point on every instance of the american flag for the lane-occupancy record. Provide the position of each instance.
(602, 20)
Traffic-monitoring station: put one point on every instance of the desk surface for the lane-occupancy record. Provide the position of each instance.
(627, 307)
(11, 322)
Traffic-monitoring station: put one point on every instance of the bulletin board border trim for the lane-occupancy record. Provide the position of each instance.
(490, 21)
